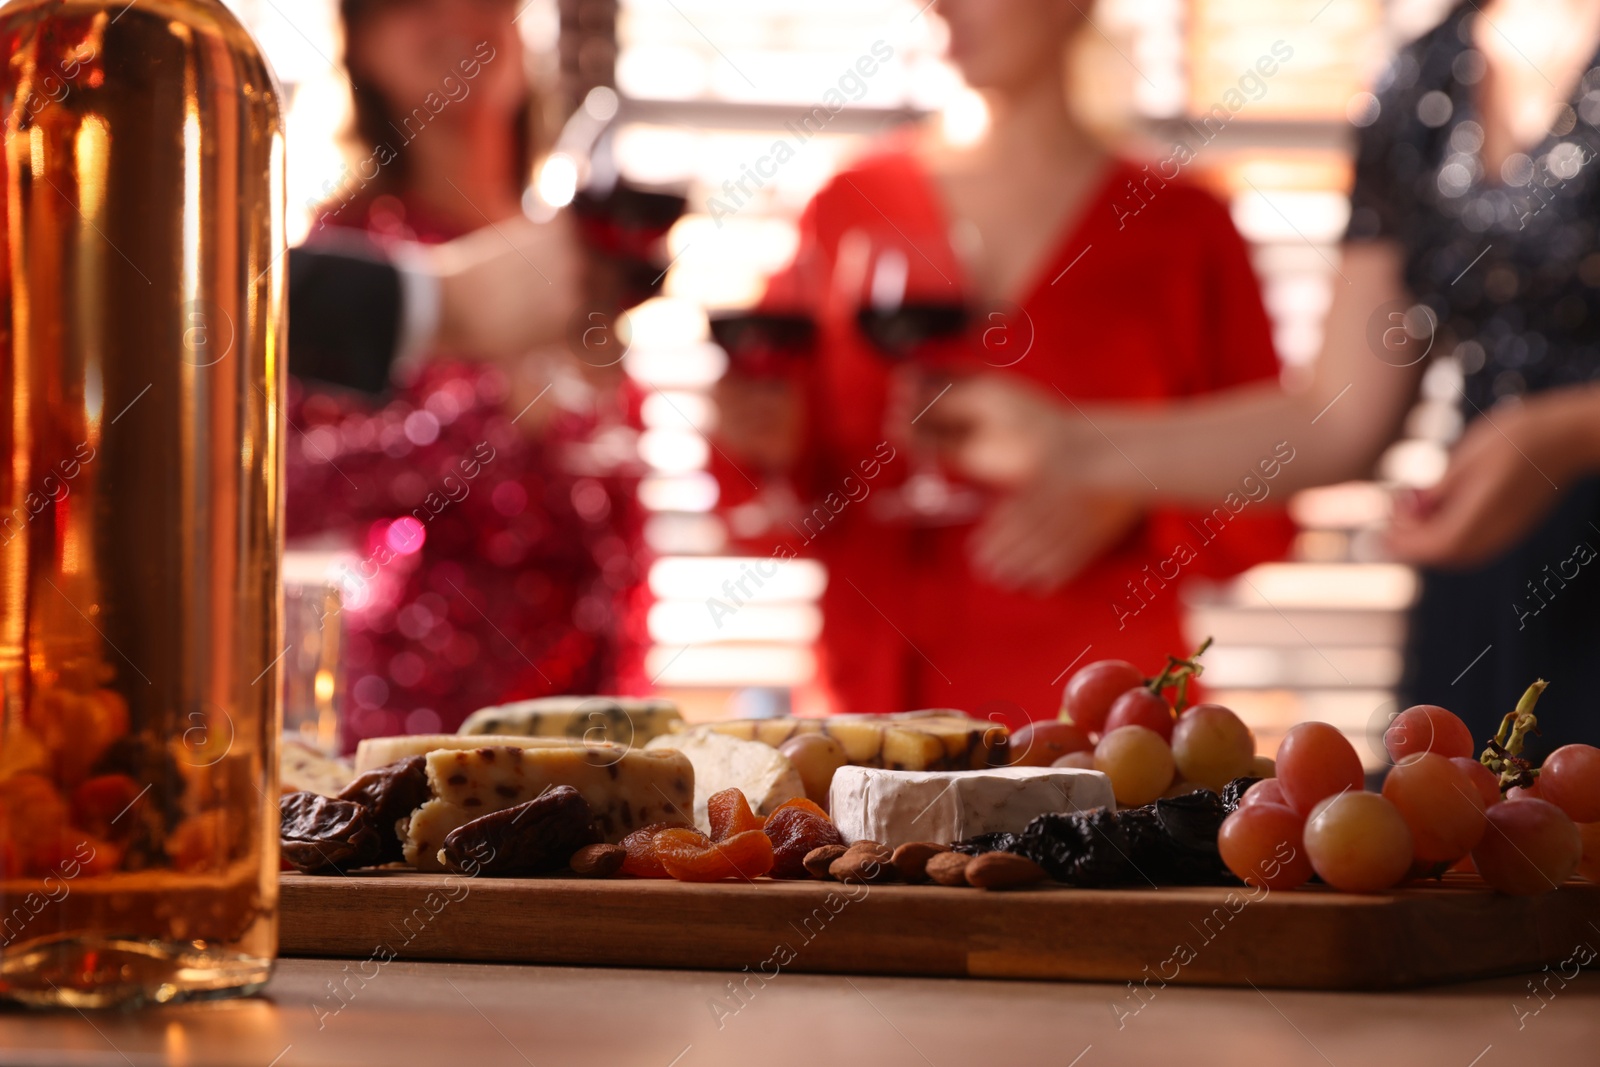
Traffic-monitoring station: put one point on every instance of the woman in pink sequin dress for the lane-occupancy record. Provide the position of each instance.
(485, 568)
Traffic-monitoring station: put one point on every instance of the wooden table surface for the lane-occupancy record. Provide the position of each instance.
(474, 1015)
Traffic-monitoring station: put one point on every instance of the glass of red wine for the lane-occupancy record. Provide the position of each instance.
(925, 327)
(766, 346)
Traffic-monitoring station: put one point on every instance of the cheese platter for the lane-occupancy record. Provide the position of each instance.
(1138, 840)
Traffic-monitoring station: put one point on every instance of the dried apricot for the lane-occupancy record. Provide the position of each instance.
(794, 832)
(643, 861)
(99, 803)
(804, 805)
(730, 814)
(691, 857)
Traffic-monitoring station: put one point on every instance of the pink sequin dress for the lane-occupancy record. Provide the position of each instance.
(485, 569)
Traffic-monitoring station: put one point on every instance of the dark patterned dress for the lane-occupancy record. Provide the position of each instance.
(486, 569)
(1509, 265)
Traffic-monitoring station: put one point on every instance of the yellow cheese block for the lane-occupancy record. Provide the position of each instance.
(627, 788)
(620, 720)
(301, 767)
(377, 752)
(914, 741)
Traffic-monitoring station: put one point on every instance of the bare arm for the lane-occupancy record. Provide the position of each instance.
(509, 287)
(1000, 431)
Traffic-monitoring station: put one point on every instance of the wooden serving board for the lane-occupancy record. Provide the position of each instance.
(1309, 938)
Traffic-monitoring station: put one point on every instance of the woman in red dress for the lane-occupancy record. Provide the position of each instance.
(489, 567)
(1104, 282)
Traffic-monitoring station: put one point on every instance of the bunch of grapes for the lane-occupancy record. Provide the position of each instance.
(1524, 829)
(1149, 743)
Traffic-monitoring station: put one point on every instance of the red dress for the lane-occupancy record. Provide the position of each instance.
(1157, 305)
(488, 570)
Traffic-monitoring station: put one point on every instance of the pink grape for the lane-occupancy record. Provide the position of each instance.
(1262, 845)
(1140, 707)
(1480, 776)
(1090, 692)
(1531, 847)
(1316, 761)
(1266, 791)
(1039, 744)
(1212, 746)
(1525, 792)
(1358, 842)
(1427, 728)
(1083, 761)
(1440, 804)
(1570, 779)
(1589, 866)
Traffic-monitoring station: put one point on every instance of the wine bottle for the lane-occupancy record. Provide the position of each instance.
(141, 350)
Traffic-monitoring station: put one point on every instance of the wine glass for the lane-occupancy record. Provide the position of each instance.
(923, 327)
(765, 346)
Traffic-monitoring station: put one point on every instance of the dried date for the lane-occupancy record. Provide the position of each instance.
(535, 837)
(321, 834)
(390, 794)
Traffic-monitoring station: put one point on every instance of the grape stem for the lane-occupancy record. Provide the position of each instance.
(1504, 754)
(1177, 672)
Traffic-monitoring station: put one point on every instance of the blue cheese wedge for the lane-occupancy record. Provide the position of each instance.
(761, 772)
(626, 788)
(619, 720)
(894, 807)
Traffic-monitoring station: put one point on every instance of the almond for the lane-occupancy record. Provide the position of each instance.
(865, 861)
(1003, 870)
(598, 861)
(818, 860)
(911, 859)
(948, 868)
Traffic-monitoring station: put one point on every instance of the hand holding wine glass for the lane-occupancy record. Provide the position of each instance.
(923, 328)
(761, 412)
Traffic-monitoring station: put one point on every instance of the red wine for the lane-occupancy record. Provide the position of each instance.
(901, 332)
(763, 343)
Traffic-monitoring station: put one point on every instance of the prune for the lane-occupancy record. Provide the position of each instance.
(390, 794)
(690, 856)
(794, 832)
(730, 814)
(977, 846)
(320, 834)
(1148, 848)
(1082, 848)
(1234, 792)
(1193, 819)
(535, 837)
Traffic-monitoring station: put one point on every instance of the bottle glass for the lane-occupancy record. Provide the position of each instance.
(141, 351)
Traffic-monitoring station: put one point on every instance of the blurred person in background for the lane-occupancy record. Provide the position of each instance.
(987, 612)
(488, 568)
(1473, 231)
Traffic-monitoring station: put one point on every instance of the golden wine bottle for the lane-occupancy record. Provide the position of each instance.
(142, 324)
